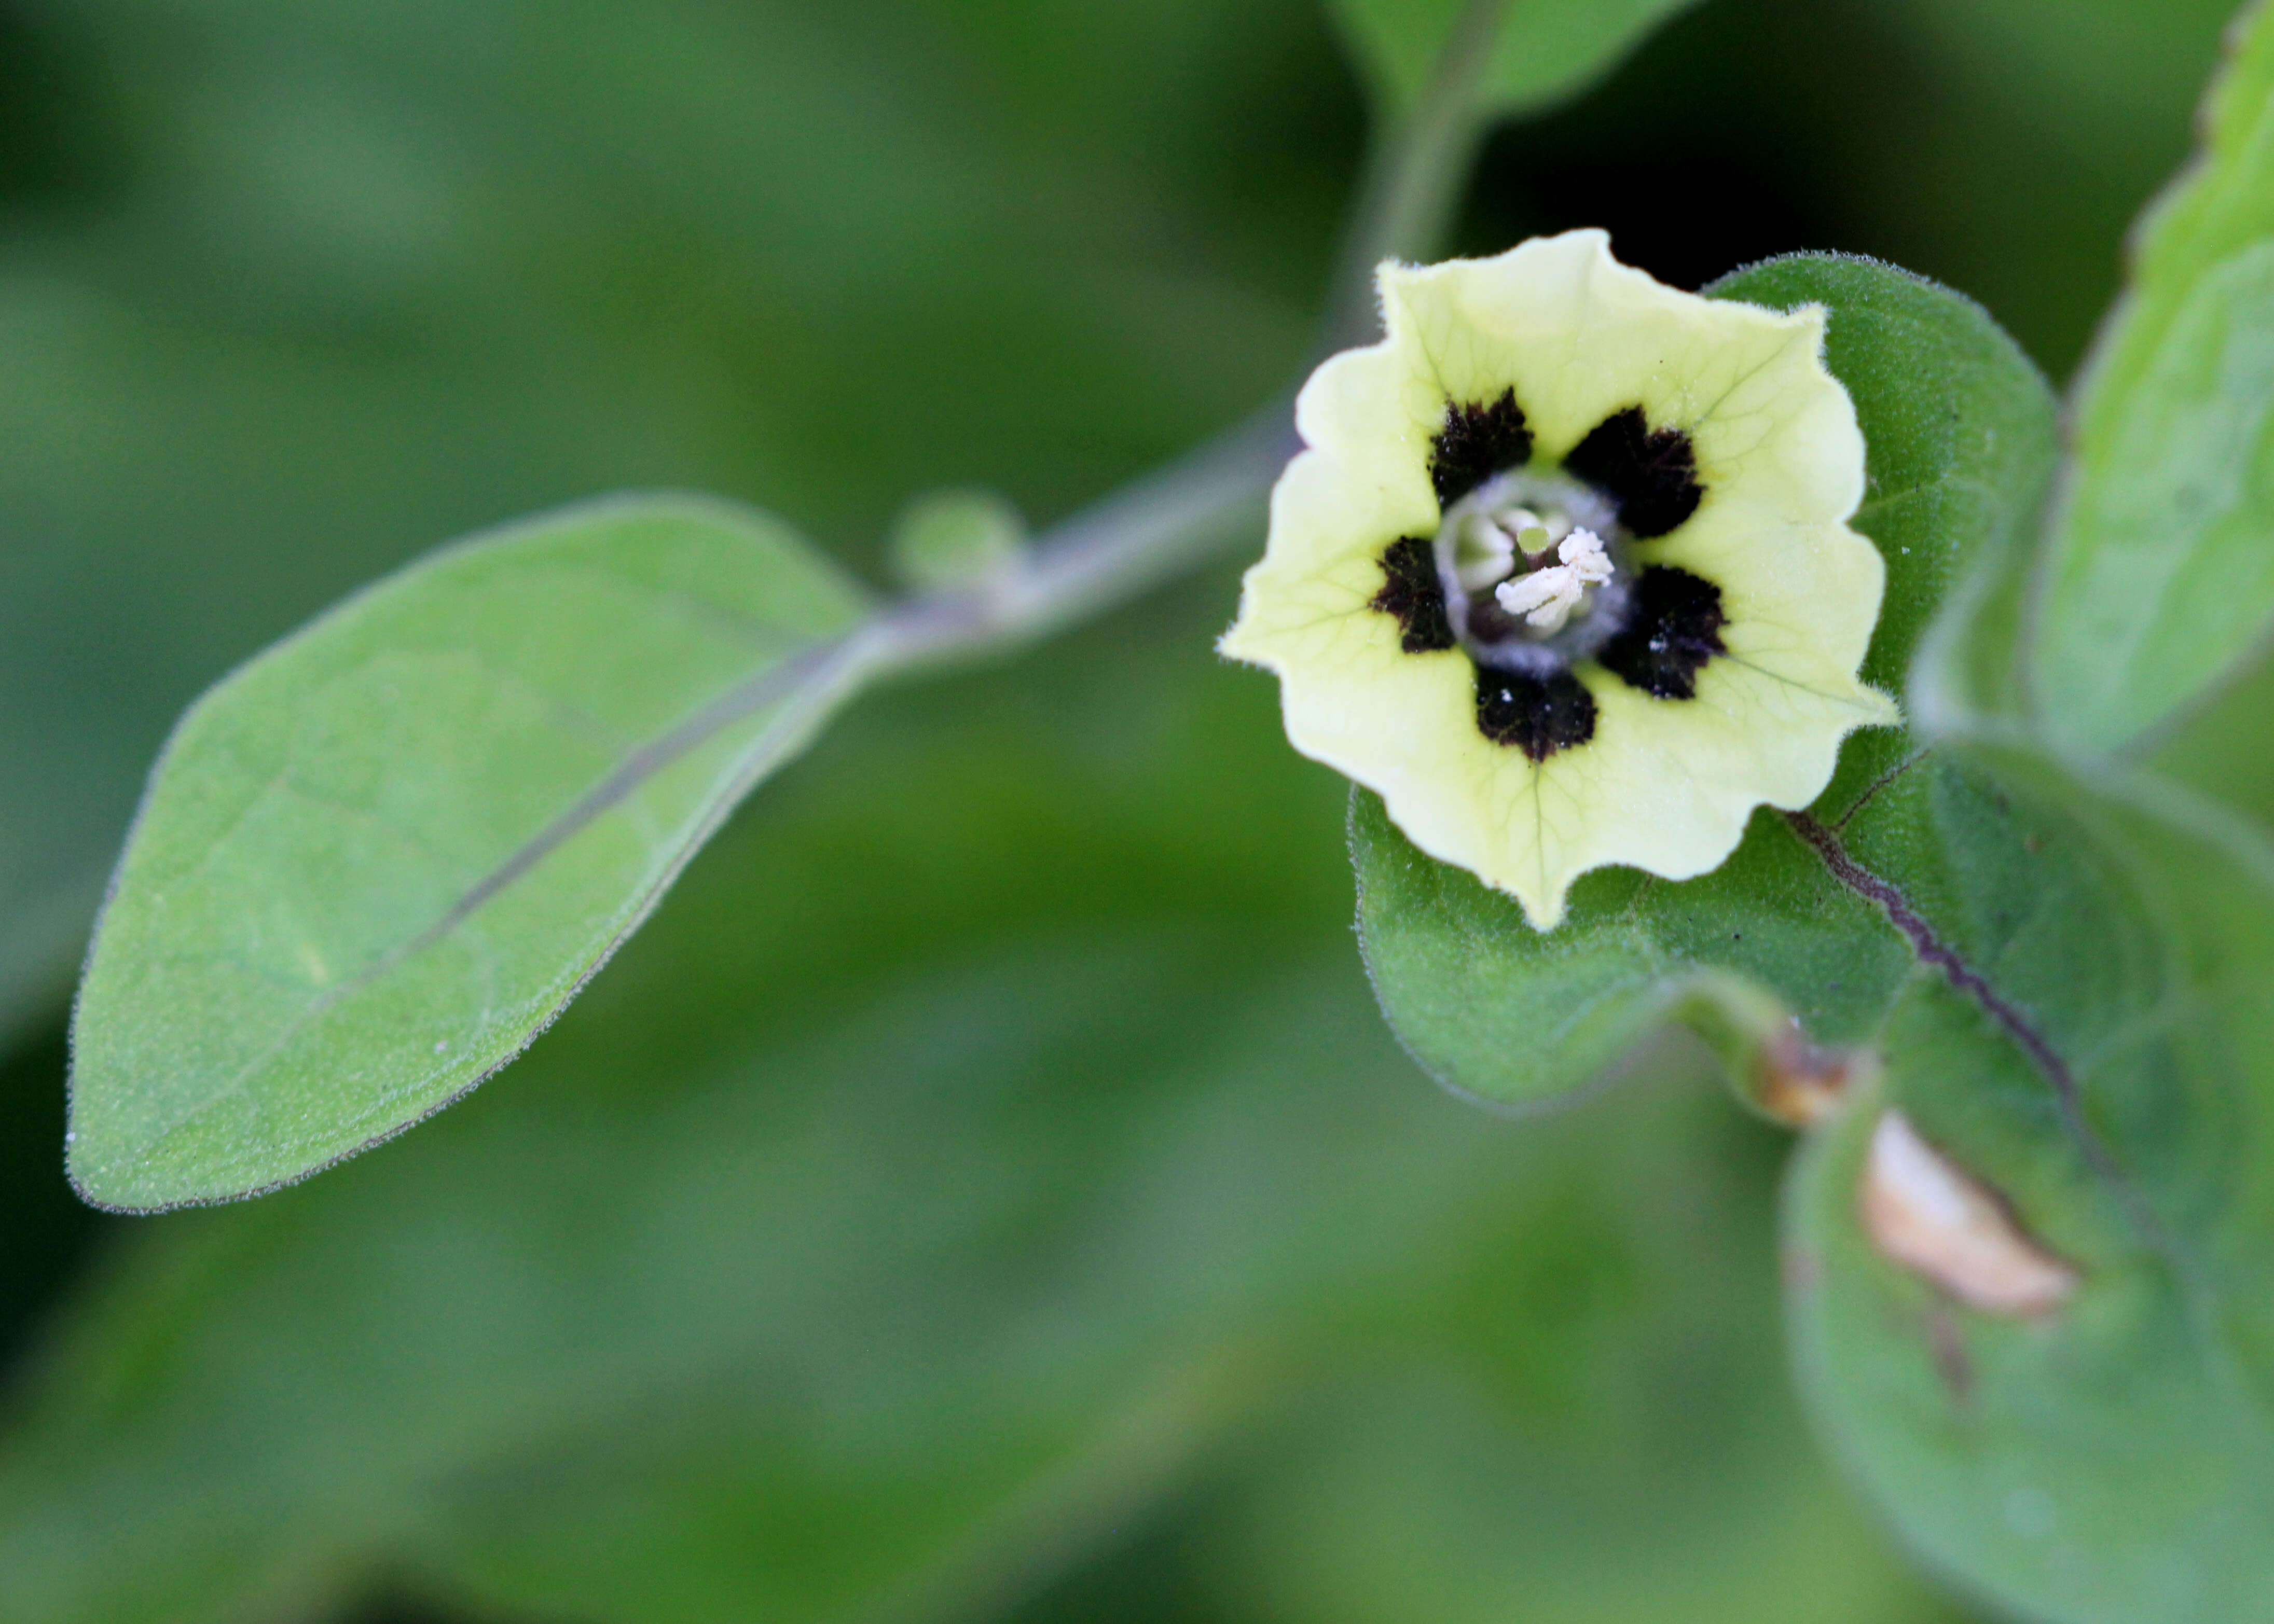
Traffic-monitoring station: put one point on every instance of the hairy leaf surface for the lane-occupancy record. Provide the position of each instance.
(373, 863)
(2111, 1462)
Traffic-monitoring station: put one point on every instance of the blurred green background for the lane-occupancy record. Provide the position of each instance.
(985, 1191)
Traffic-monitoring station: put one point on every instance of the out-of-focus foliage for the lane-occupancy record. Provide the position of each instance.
(2002, 150)
(354, 279)
(698, 1303)
(2160, 576)
(1536, 52)
(956, 539)
(812, 1262)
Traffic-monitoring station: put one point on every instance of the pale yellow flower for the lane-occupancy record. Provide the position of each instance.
(1676, 472)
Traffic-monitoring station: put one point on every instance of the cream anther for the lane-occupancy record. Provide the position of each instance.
(1547, 597)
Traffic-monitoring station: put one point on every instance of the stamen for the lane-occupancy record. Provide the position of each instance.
(1485, 554)
(1548, 597)
(1583, 550)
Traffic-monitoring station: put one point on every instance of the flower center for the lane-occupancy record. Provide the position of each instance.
(1535, 571)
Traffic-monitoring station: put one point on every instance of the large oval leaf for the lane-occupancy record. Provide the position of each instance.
(373, 863)
(2104, 1455)
(2161, 573)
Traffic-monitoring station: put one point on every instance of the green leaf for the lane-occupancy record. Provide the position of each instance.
(2111, 1462)
(1540, 49)
(1495, 1009)
(2130, 938)
(966, 1162)
(375, 863)
(1958, 428)
(2160, 575)
(2220, 748)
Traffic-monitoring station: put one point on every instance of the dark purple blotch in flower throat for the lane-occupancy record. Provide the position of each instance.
(1479, 440)
(1538, 715)
(1411, 591)
(1651, 474)
(1673, 627)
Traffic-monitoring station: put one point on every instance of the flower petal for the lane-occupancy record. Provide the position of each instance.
(1664, 783)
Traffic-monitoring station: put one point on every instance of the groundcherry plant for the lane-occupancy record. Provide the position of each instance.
(1757, 659)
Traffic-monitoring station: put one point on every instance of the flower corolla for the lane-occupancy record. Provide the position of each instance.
(1565, 573)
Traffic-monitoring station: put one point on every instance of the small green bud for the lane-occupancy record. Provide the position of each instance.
(955, 540)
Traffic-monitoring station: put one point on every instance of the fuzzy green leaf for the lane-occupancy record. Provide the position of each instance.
(1958, 428)
(1492, 1008)
(1539, 52)
(2161, 573)
(2112, 1461)
(373, 864)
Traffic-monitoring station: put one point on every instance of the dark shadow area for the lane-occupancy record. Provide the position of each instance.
(57, 144)
(45, 1232)
(388, 1608)
(1708, 150)
(1143, 1573)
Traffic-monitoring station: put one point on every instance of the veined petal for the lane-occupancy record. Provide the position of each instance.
(1730, 676)
(1800, 599)
(1373, 414)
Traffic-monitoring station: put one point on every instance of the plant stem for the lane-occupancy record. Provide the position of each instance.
(1178, 516)
(1149, 531)
(1168, 522)
(1414, 175)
